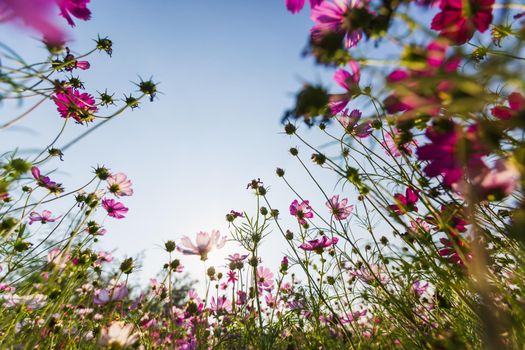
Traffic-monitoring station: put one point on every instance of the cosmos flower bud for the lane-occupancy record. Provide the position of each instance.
(211, 272)
(55, 152)
(131, 101)
(170, 246)
(279, 172)
(319, 158)
(105, 98)
(104, 44)
(264, 211)
(289, 235)
(149, 88)
(102, 172)
(294, 151)
(290, 129)
(175, 264)
(127, 266)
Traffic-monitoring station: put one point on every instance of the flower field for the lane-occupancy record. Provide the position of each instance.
(418, 243)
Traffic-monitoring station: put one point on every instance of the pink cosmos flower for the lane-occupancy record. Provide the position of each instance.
(41, 20)
(45, 181)
(354, 316)
(75, 8)
(119, 185)
(493, 184)
(72, 103)
(318, 245)
(115, 209)
(349, 122)
(271, 300)
(339, 209)
(119, 335)
(392, 148)
(236, 258)
(348, 81)
(459, 19)
(264, 279)
(405, 203)
(375, 273)
(504, 178)
(294, 6)
(332, 17)
(105, 256)
(418, 225)
(194, 296)
(452, 251)
(104, 296)
(420, 287)
(241, 297)
(236, 261)
(516, 105)
(301, 211)
(57, 257)
(44, 218)
(204, 243)
(221, 304)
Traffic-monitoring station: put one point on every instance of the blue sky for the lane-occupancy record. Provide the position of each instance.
(227, 71)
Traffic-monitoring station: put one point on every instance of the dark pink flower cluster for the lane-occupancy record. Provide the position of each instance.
(448, 154)
(459, 19)
(409, 94)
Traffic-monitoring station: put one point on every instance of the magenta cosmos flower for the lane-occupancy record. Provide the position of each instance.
(115, 209)
(405, 203)
(318, 245)
(516, 105)
(72, 103)
(75, 8)
(332, 17)
(35, 14)
(445, 155)
(348, 81)
(45, 181)
(301, 211)
(455, 250)
(294, 6)
(104, 296)
(339, 209)
(459, 19)
(204, 243)
(43, 218)
(350, 123)
(408, 93)
(119, 185)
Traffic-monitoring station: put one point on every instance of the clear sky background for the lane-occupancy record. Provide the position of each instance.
(227, 72)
